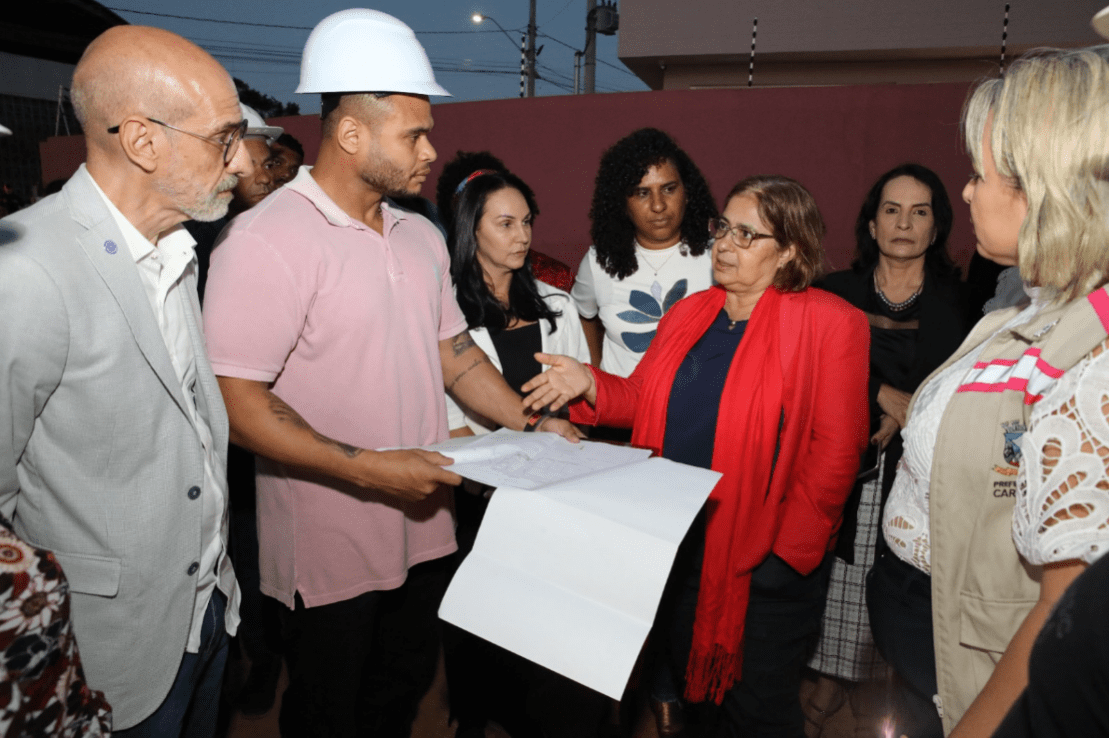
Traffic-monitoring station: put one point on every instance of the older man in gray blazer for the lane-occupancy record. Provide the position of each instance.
(113, 434)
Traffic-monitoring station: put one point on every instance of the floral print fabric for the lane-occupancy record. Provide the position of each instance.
(42, 685)
(631, 308)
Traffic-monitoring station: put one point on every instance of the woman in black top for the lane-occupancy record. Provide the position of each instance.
(905, 282)
(511, 316)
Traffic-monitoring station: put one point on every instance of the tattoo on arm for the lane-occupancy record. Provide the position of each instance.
(283, 412)
(462, 343)
(479, 361)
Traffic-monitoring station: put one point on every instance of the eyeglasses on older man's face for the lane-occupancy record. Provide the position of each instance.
(742, 236)
(228, 141)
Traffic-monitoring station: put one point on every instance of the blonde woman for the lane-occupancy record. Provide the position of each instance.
(1002, 496)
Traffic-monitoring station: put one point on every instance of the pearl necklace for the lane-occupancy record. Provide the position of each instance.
(896, 306)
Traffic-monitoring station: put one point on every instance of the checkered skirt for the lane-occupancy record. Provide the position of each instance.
(846, 648)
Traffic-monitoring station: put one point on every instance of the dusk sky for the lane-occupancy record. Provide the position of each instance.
(472, 62)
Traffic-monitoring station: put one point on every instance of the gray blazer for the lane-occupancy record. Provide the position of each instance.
(97, 452)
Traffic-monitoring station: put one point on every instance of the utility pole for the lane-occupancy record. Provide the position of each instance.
(531, 50)
(590, 45)
(603, 19)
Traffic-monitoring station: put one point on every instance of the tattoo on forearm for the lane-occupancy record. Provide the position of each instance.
(283, 412)
(462, 343)
(460, 375)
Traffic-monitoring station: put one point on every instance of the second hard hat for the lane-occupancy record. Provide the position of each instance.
(362, 50)
(257, 126)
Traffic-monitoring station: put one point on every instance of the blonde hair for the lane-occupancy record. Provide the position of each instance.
(1050, 138)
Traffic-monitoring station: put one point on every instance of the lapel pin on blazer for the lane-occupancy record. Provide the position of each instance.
(110, 246)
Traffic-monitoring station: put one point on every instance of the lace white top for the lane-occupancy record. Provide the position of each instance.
(1062, 504)
(905, 522)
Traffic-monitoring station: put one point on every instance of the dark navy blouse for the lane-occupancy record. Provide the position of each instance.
(695, 395)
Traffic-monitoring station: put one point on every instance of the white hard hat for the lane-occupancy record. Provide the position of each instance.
(255, 126)
(1101, 22)
(361, 50)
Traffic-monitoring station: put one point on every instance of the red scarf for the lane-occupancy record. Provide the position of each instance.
(742, 515)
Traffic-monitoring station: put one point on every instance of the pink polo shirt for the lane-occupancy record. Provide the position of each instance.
(346, 324)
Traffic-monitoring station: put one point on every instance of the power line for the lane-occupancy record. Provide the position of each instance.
(557, 14)
(209, 20)
(599, 61)
(286, 55)
(269, 25)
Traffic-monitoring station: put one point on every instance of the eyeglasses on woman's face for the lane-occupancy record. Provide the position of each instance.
(742, 236)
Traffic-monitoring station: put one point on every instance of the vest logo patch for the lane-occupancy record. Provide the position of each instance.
(1012, 431)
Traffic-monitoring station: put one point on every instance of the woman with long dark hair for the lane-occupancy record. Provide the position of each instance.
(905, 282)
(511, 316)
(449, 187)
(650, 247)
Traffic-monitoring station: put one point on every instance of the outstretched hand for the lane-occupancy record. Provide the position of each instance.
(566, 380)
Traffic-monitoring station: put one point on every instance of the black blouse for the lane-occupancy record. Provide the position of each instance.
(516, 349)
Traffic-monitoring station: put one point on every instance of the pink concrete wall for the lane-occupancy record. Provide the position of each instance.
(835, 140)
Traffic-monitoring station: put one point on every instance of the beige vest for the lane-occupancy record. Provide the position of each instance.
(981, 588)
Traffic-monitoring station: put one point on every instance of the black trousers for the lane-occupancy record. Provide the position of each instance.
(359, 667)
(899, 599)
(784, 613)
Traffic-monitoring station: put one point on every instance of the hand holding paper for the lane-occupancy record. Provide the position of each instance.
(566, 380)
(410, 474)
(562, 427)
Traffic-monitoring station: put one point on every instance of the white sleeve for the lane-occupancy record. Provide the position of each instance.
(456, 419)
(584, 291)
(576, 345)
(1062, 505)
(568, 338)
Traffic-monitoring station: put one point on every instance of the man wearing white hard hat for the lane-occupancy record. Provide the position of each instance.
(333, 329)
(258, 139)
(250, 190)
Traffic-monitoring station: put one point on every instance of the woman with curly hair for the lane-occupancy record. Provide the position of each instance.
(651, 206)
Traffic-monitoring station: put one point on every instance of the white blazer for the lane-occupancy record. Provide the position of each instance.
(567, 339)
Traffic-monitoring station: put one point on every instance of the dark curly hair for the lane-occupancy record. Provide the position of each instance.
(454, 172)
(478, 304)
(936, 258)
(621, 169)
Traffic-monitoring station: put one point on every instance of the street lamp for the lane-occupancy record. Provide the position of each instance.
(477, 18)
(528, 53)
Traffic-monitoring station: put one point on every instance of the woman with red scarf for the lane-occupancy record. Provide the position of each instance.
(764, 379)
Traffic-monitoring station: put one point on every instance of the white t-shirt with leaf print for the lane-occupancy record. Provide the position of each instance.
(630, 308)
